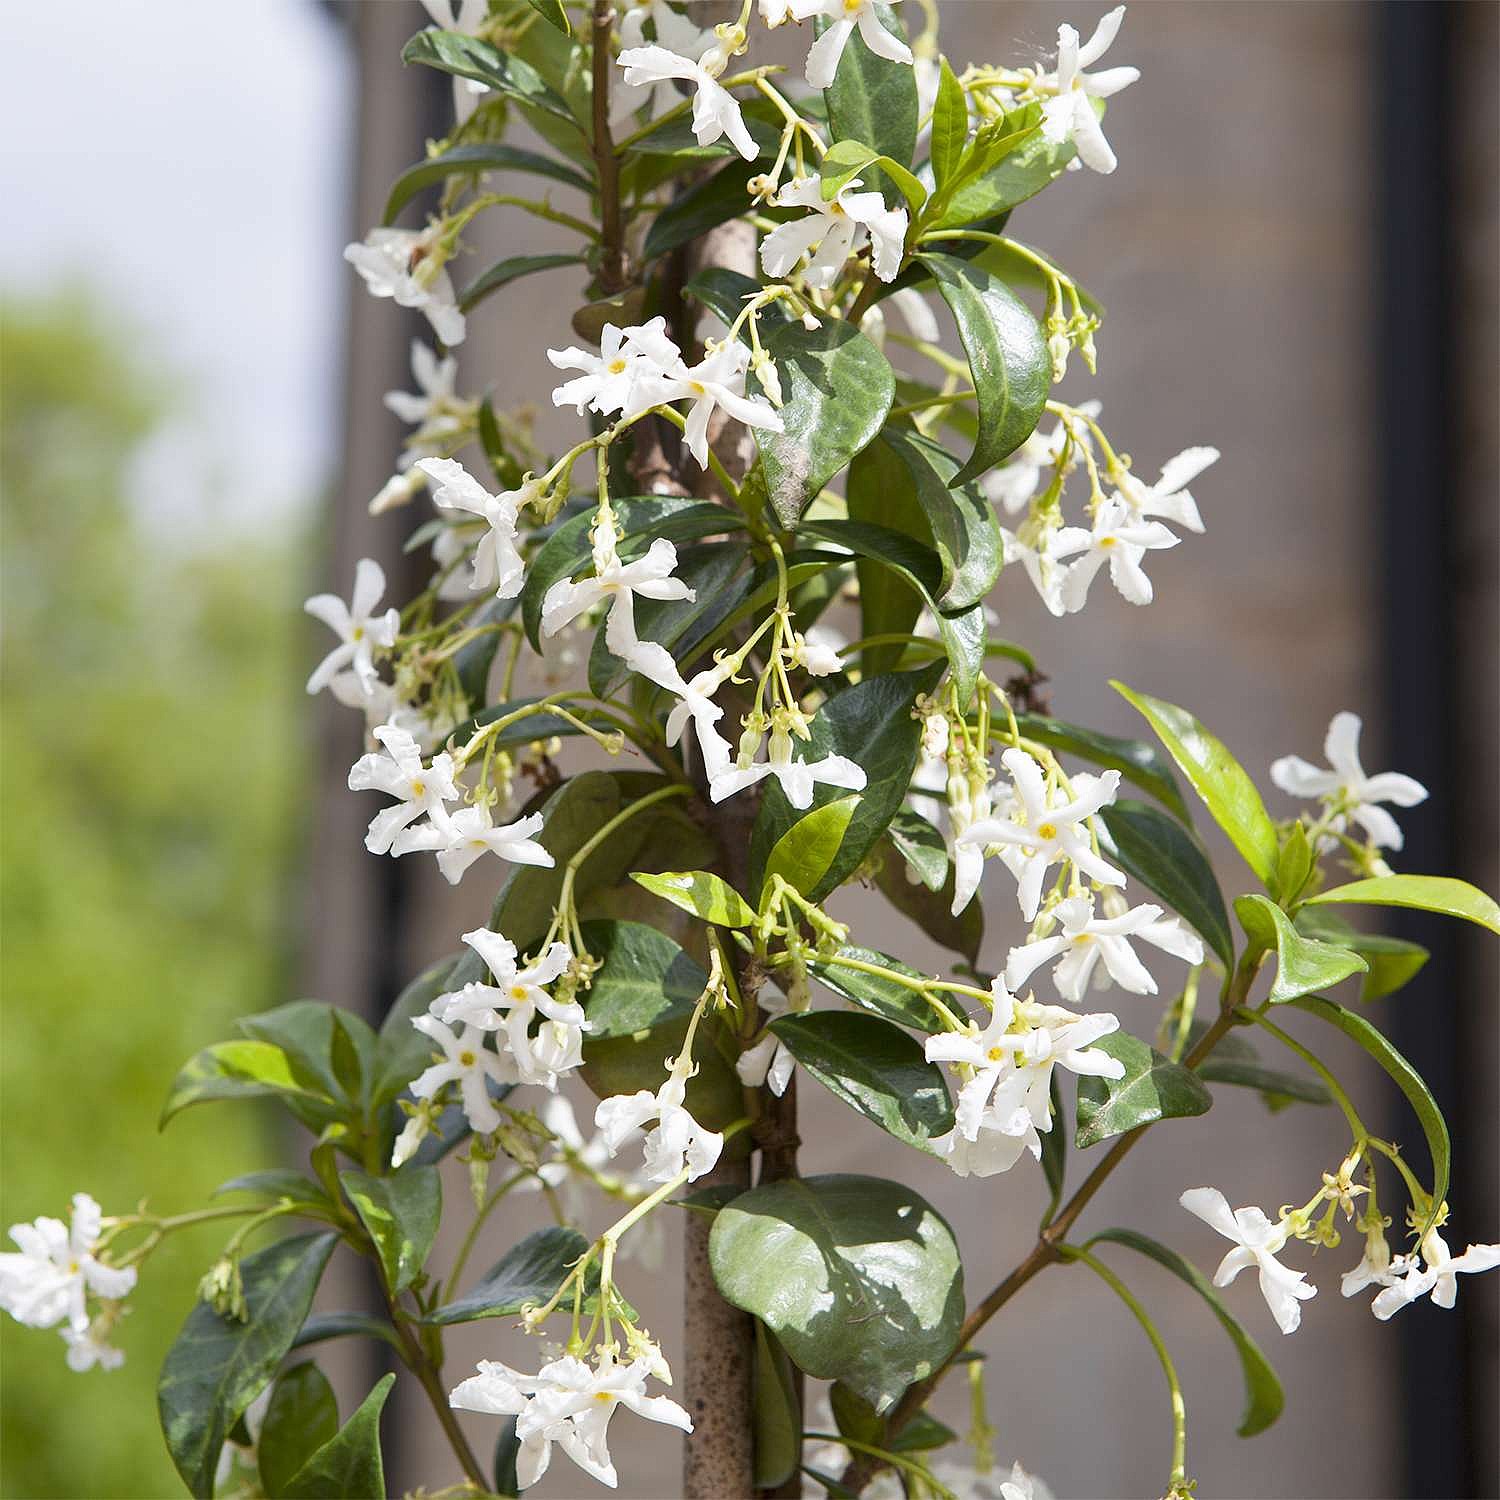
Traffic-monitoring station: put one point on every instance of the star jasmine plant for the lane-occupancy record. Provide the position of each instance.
(764, 589)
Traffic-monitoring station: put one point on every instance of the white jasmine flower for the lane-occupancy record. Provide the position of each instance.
(696, 704)
(1000, 1140)
(677, 1140)
(716, 112)
(968, 803)
(397, 770)
(1016, 481)
(359, 629)
(769, 1061)
(498, 563)
(467, 1062)
(1069, 115)
(718, 380)
(1374, 1265)
(87, 1348)
(49, 1278)
(1050, 831)
(468, 834)
(1257, 1241)
(832, 231)
(1168, 497)
(1117, 538)
(1086, 939)
(797, 777)
(1406, 1281)
(1023, 1486)
(1349, 792)
(817, 652)
(1035, 547)
(674, 32)
(843, 16)
(420, 1122)
(400, 489)
(400, 263)
(436, 380)
(625, 376)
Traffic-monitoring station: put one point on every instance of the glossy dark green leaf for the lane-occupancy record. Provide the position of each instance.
(1264, 1398)
(1393, 962)
(875, 1068)
(644, 978)
(505, 72)
(527, 1274)
(1403, 1075)
(321, 1327)
(837, 388)
(553, 13)
(507, 1451)
(881, 997)
(850, 159)
(1135, 760)
(950, 125)
(872, 99)
(1439, 893)
(859, 1278)
(880, 491)
(329, 1049)
(1165, 857)
(777, 1422)
(1008, 359)
(723, 292)
(302, 1414)
(1054, 1155)
(400, 1213)
(870, 723)
(856, 1418)
(803, 855)
(922, 846)
(1216, 776)
(218, 1366)
(1272, 1082)
(702, 893)
(1152, 1088)
(1303, 964)
(473, 660)
(491, 156)
(702, 207)
(932, 911)
(508, 269)
(348, 1466)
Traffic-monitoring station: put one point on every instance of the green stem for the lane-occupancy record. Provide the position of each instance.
(473, 1235)
(1247, 1013)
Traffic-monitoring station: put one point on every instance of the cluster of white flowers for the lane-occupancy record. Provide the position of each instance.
(832, 230)
(53, 1276)
(676, 1142)
(410, 266)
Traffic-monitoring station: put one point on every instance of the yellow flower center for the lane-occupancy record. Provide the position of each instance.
(1107, 541)
(604, 1396)
(996, 1054)
(853, 7)
(1047, 831)
(359, 632)
(617, 366)
(696, 388)
(467, 1058)
(518, 992)
(419, 788)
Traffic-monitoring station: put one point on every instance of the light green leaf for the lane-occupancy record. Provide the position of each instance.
(1217, 777)
(704, 894)
(881, 997)
(1264, 1398)
(400, 1213)
(1135, 760)
(508, 269)
(803, 854)
(238, 1070)
(950, 125)
(301, 1416)
(1293, 865)
(1152, 1088)
(527, 1274)
(847, 159)
(1439, 893)
(859, 1278)
(492, 156)
(778, 1423)
(218, 1366)
(873, 99)
(329, 1049)
(875, 1068)
(1008, 359)
(1303, 964)
(348, 1466)
(837, 388)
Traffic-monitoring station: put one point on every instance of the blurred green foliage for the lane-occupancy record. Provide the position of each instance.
(149, 712)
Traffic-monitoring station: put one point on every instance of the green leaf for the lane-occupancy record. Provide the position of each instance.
(237, 1070)
(489, 157)
(553, 13)
(724, 292)
(1021, 273)
(703, 206)
(506, 73)
(847, 159)
(932, 911)
(1404, 1076)
(1166, 858)
(348, 1465)
(922, 846)
(1008, 162)
(1135, 760)
(1054, 1155)
(400, 1214)
(527, 1274)
(329, 1049)
(1439, 893)
(875, 1068)
(321, 1327)
(803, 854)
(950, 125)
(1393, 962)
(1293, 865)
(508, 269)
(837, 389)
(777, 1422)
(302, 1414)
(879, 490)
(1263, 1394)
(859, 1278)
(1216, 776)
(1303, 964)
(218, 1366)
(1152, 1088)
(1008, 359)
(507, 1451)
(881, 997)
(856, 1418)
(871, 723)
(872, 99)
(644, 978)
(1249, 1074)
(705, 895)
(276, 1183)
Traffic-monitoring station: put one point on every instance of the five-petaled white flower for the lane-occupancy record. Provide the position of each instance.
(1051, 831)
(435, 394)
(677, 1141)
(797, 777)
(718, 381)
(716, 112)
(843, 16)
(48, 1279)
(467, 1062)
(627, 373)
(359, 629)
(498, 563)
(1406, 1280)
(832, 231)
(468, 834)
(1069, 113)
(1119, 538)
(1086, 939)
(676, 33)
(1035, 547)
(1349, 792)
(401, 263)
(420, 790)
(1257, 1241)
(1168, 498)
